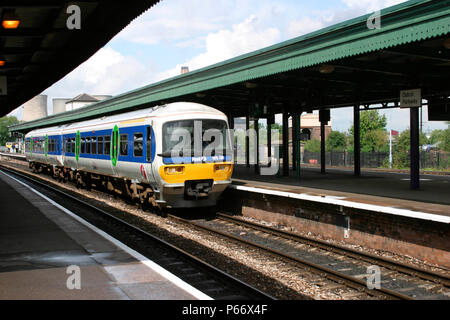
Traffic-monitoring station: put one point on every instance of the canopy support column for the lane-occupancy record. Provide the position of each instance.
(256, 126)
(324, 118)
(247, 141)
(285, 143)
(296, 142)
(356, 141)
(414, 148)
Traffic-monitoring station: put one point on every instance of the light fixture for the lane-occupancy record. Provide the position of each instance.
(447, 44)
(2, 61)
(200, 95)
(10, 20)
(326, 69)
(250, 85)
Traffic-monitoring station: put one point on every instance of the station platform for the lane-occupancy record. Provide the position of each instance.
(376, 210)
(381, 189)
(39, 241)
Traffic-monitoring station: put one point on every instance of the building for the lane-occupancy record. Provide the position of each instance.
(80, 101)
(310, 127)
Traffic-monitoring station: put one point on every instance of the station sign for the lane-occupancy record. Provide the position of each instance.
(3, 86)
(411, 98)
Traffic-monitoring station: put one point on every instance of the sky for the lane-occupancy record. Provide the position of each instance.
(198, 33)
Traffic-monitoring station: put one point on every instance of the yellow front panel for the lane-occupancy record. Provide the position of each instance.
(179, 173)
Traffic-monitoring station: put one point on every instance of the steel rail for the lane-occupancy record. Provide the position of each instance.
(363, 256)
(338, 277)
(252, 291)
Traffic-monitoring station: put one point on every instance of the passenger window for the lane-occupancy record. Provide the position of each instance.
(107, 145)
(94, 145)
(83, 144)
(138, 144)
(88, 145)
(100, 145)
(148, 144)
(124, 144)
(72, 145)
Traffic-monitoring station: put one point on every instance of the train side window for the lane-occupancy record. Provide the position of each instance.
(148, 144)
(124, 144)
(94, 145)
(72, 145)
(100, 145)
(83, 145)
(138, 144)
(107, 145)
(88, 144)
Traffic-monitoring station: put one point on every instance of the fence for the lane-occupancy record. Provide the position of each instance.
(433, 159)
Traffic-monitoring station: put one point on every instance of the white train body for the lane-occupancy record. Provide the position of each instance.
(130, 146)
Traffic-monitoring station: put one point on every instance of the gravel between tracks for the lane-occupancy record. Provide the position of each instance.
(270, 274)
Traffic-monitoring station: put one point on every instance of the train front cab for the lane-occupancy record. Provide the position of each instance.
(189, 181)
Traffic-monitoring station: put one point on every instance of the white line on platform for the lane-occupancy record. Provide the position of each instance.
(149, 263)
(346, 203)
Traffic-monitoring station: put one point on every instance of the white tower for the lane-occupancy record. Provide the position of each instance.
(35, 108)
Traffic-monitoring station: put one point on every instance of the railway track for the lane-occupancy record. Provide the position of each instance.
(343, 266)
(340, 264)
(193, 270)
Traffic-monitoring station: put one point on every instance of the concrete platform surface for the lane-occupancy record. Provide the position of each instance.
(390, 190)
(38, 242)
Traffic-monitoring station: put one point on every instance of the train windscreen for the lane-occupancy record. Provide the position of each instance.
(195, 138)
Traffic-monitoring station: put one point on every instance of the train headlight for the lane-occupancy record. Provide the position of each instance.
(221, 167)
(174, 170)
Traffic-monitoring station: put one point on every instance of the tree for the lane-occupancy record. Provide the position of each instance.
(401, 148)
(445, 140)
(5, 122)
(312, 145)
(435, 136)
(336, 141)
(372, 131)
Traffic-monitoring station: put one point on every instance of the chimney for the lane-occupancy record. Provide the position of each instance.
(184, 70)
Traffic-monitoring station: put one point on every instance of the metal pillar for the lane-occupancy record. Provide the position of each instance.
(296, 142)
(247, 141)
(322, 147)
(324, 117)
(285, 144)
(256, 126)
(270, 121)
(294, 149)
(356, 141)
(414, 148)
(231, 148)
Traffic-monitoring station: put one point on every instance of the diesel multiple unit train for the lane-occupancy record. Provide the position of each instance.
(175, 155)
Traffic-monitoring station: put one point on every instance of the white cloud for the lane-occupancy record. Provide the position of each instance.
(305, 25)
(107, 72)
(242, 38)
(371, 5)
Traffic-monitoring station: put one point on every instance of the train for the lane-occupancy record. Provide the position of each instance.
(176, 155)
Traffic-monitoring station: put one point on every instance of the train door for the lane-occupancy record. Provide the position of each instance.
(150, 155)
(77, 147)
(46, 148)
(60, 149)
(114, 149)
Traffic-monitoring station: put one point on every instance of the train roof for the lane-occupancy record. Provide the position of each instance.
(163, 110)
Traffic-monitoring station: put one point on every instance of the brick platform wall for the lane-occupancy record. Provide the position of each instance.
(421, 239)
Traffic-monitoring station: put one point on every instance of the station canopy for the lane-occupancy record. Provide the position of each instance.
(343, 65)
(42, 50)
